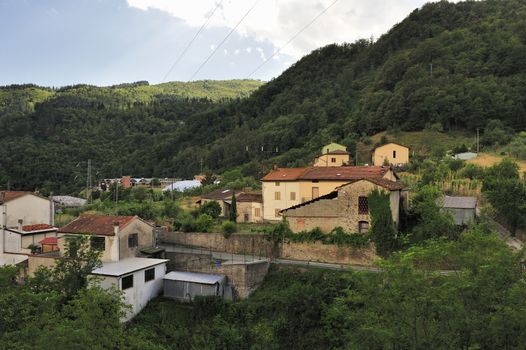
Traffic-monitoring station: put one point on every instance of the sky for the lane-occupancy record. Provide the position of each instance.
(105, 42)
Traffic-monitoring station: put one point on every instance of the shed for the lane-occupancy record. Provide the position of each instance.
(465, 156)
(463, 209)
(187, 285)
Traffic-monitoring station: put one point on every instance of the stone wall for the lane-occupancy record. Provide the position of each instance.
(35, 261)
(237, 243)
(328, 253)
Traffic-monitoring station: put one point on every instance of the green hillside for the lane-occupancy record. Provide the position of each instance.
(446, 66)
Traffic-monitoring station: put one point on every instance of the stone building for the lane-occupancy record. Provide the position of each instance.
(347, 207)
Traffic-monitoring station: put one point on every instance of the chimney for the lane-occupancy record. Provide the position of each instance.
(275, 167)
(20, 224)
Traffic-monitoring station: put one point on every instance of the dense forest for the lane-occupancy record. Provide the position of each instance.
(457, 66)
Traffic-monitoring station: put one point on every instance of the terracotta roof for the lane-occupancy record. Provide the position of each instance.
(385, 183)
(284, 174)
(6, 196)
(219, 194)
(102, 225)
(37, 227)
(344, 173)
(49, 240)
(250, 197)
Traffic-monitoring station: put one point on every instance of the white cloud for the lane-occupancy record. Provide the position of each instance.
(278, 20)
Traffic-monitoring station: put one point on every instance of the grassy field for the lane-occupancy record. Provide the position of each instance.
(488, 159)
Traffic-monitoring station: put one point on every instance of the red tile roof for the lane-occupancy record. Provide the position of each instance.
(6, 196)
(37, 227)
(102, 225)
(343, 173)
(250, 197)
(49, 240)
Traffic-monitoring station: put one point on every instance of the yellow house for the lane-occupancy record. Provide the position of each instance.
(333, 155)
(391, 153)
(286, 187)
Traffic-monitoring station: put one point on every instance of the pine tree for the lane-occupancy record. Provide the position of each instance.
(233, 209)
(382, 227)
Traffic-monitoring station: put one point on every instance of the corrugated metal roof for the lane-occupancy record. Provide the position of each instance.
(183, 185)
(195, 277)
(459, 202)
(126, 266)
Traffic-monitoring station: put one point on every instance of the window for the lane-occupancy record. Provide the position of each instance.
(257, 212)
(276, 183)
(315, 192)
(276, 212)
(98, 243)
(333, 160)
(363, 227)
(127, 282)
(149, 275)
(133, 240)
(363, 205)
(277, 196)
(394, 154)
(292, 196)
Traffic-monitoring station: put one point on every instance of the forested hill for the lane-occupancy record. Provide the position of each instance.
(459, 65)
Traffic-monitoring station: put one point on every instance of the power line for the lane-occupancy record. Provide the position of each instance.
(293, 37)
(224, 39)
(191, 41)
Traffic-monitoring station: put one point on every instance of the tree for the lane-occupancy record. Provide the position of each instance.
(212, 208)
(383, 231)
(233, 209)
(71, 270)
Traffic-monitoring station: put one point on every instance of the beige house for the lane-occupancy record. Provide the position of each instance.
(391, 153)
(118, 237)
(25, 217)
(249, 207)
(333, 155)
(345, 207)
(223, 197)
(286, 187)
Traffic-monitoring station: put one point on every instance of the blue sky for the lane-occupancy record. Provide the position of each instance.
(104, 42)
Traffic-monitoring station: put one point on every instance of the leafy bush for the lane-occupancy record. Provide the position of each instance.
(212, 208)
(228, 227)
(204, 223)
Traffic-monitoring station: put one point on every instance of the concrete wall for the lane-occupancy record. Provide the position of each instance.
(30, 209)
(35, 261)
(145, 234)
(386, 152)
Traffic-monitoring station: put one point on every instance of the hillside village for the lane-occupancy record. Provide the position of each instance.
(372, 196)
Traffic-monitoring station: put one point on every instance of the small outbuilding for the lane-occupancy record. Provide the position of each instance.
(187, 285)
(463, 209)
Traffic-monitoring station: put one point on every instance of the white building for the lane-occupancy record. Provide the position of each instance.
(141, 280)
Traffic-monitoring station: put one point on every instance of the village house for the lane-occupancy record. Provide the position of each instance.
(119, 237)
(221, 196)
(25, 219)
(249, 207)
(391, 154)
(347, 207)
(286, 187)
(333, 155)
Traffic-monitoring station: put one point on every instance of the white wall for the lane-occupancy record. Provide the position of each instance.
(31, 209)
(141, 292)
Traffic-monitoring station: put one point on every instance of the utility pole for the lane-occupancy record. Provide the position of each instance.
(88, 181)
(431, 69)
(201, 162)
(356, 158)
(478, 141)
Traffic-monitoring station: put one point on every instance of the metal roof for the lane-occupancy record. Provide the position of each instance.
(126, 266)
(195, 277)
(465, 156)
(459, 202)
(69, 201)
(182, 185)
